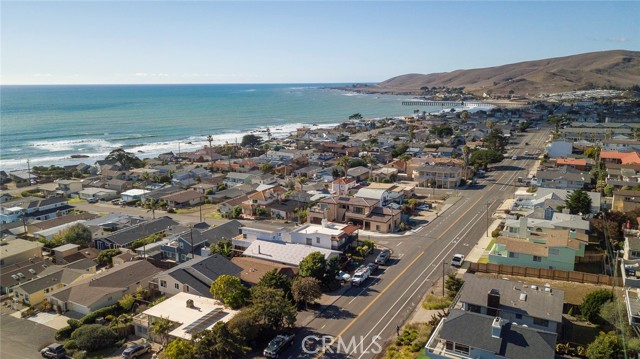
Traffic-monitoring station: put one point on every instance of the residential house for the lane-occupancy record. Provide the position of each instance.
(625, 201)
(187, 243)
(623, 158)
(103, 289)
(263, 197)
(561, 178)
(288, 209)
(18, 273)
(15, 250)
(195, 275)
(359, 173)
(190, 314)
(385, 174)
(342, 185)
(189, 177)
(100, 194)
(119, 185)
(183, 199)
(133, 195)
(438, 176)
(23, 178)
(63, 188)
(290, 254)
(6, 197)
(235, 178)
(327, 235)
(559, 149)
(550, 249)
(32, 208)
(619, 175)
(551, 197)
(124, 237)
(579, 164)
(46, 229)
(51, 279)
(253, 269)
(366, 213)
(262, 232)
(513, 320)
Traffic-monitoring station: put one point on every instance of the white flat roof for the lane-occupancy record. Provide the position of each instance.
(205, 310)
(332, 229)
(285, 253)
(134, 192)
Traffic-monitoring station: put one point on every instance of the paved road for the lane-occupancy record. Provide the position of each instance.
(23, 338)
(365, 318)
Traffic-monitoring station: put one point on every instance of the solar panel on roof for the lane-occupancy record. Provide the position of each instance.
(206, 321)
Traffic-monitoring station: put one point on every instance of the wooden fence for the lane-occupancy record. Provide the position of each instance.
(551, 274)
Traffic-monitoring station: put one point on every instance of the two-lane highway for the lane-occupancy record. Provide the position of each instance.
(364, 319)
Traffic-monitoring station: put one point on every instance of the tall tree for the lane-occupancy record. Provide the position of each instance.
(162, 327)
(251, 140)
(127, 160)
(306, 290)
(605, 346)
(219, 342)
(578, 201)
(271, 308)
(465, 157)
(153, 205)
(464, 115)
(344, 162)
(313, 265)
(496, 140)
(555, 120)
(230, 291)
(179, 349)
(273, 279)
(76, 234)
(223, 247)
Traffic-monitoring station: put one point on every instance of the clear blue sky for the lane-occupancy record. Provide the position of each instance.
(294, 42)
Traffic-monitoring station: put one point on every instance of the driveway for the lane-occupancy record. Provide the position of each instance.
(23, 338)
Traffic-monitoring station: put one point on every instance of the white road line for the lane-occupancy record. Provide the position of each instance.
(426, 278)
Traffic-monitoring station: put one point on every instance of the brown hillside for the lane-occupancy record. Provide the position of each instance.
(619, 68)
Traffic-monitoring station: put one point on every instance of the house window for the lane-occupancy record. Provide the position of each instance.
(378, 227)
(317, 239)
(163, 283)
(449, 345)
(186, 288)
(537, 259)
(177, 286)
(473, 308)
(460, 348)
(309, 241)
(513, 255)
(518, 316)
(358, 210)
(181, 245)
(541, 322)
(554, 251)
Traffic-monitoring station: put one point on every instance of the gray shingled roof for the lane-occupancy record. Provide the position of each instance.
(126, 236)
(515, 341)
(539, 304)
(191, 272)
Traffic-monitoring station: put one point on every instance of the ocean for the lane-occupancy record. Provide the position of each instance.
(48, 124)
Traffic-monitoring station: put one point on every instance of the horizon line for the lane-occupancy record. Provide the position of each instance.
(197, 83)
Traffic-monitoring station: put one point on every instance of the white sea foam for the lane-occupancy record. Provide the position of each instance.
(94, 144)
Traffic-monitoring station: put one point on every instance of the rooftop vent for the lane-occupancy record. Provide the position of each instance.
(534, 287)
(523, 297)
(189, 303)
(496, 327)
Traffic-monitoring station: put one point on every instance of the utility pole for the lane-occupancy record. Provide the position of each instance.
(201, 200)
(28, 172)
(191, 235)
(487, 204)
(443, 264)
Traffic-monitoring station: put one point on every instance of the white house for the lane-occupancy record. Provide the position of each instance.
(557, 149)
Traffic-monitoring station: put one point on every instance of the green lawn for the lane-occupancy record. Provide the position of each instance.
(76, 200)
(435, 302)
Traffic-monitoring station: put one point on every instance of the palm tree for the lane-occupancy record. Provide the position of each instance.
(145, 177)
(344, 162)
(162, 327)
(464, 116)
(302, 181)
(152, 204)
(553, 119)
(490, 124)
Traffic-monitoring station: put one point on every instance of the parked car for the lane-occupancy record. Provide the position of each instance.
(372, 267)
(92, 200)
(457, 260)
(54, 350)
(136, 350)
(277, 345)
(514, 157)
(382, 258)
(423, 207)
(343, 277)
(360, 275)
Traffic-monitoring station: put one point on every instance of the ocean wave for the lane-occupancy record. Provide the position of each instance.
(94, 144)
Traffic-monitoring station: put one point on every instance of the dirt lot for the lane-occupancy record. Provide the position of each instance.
(573, 292)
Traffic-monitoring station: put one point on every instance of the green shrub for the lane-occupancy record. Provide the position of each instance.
(64, 333)
(592, 302)
(94, 336)
(70, 344)
(91, 317)
(74, 323)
